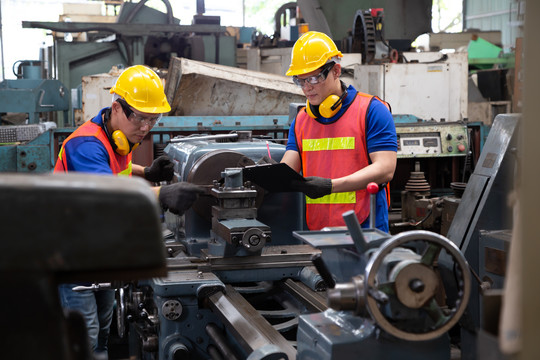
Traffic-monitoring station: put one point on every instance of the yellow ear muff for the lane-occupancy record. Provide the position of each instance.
(330, 106)
(121, 142)
(311, 110)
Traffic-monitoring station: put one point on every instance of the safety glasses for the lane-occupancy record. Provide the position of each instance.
(138, 119)
(315, 79)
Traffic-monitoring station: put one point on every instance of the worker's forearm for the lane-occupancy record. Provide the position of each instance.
(292, 158)
(358, 180)
(137, 170)
(380, 172)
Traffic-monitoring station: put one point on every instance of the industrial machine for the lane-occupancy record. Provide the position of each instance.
(50, 245)
(442, 150)
(245, 281)
(140, 35)
(31, 94)
(483, 221)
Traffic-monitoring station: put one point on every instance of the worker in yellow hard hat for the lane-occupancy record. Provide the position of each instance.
(104, 145)
(341, 141)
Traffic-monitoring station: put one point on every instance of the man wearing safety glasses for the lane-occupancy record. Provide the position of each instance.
(104, 145)
(341, 141)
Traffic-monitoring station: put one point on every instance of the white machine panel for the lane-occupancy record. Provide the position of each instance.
(420, 143)
(429, 89)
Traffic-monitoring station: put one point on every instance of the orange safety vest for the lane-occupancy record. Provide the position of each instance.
(120, 165)
(334, 150)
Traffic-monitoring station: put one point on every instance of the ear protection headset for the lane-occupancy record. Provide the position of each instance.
(328, 107)
(119, 142)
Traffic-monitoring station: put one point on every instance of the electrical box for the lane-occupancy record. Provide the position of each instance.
(430, 86)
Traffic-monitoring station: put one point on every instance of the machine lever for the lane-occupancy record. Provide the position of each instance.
(378, 295)
(93, 287)
(355, 231)
(143, 314)
(323, 271)
(372, 189)
(41, 95)
(483, 286)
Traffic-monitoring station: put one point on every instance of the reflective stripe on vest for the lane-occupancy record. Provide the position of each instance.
(120, 165)
(344, 143)
(332, 151)
(334, 198)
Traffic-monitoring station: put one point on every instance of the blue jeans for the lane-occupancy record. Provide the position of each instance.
(97, 310)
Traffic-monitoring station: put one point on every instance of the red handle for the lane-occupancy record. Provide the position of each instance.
(372, 188)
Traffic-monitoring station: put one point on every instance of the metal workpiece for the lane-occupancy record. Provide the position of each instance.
(247, 326)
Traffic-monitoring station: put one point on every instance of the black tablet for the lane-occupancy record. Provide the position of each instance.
(272, 177)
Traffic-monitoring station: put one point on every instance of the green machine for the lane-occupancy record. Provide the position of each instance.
(141, 35)
(31, 94)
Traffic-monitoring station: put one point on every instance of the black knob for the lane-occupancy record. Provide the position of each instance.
(417, 285)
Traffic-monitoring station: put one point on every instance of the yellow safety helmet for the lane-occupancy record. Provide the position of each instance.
(142, 89)
(311, 51)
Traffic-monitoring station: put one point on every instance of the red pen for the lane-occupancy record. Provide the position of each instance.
(268, 148)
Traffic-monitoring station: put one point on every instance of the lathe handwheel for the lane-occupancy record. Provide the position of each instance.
(443, 319)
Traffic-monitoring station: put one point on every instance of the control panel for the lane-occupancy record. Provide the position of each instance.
(432, 139)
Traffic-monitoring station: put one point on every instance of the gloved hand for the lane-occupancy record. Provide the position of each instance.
(314, 186)
(162, 169)
(179, 197)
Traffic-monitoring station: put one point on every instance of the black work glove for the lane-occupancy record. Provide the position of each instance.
(179, 197)
(162, 169)
(314, 186)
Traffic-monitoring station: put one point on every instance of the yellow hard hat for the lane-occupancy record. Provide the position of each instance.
(311, 51)
(142, 89)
